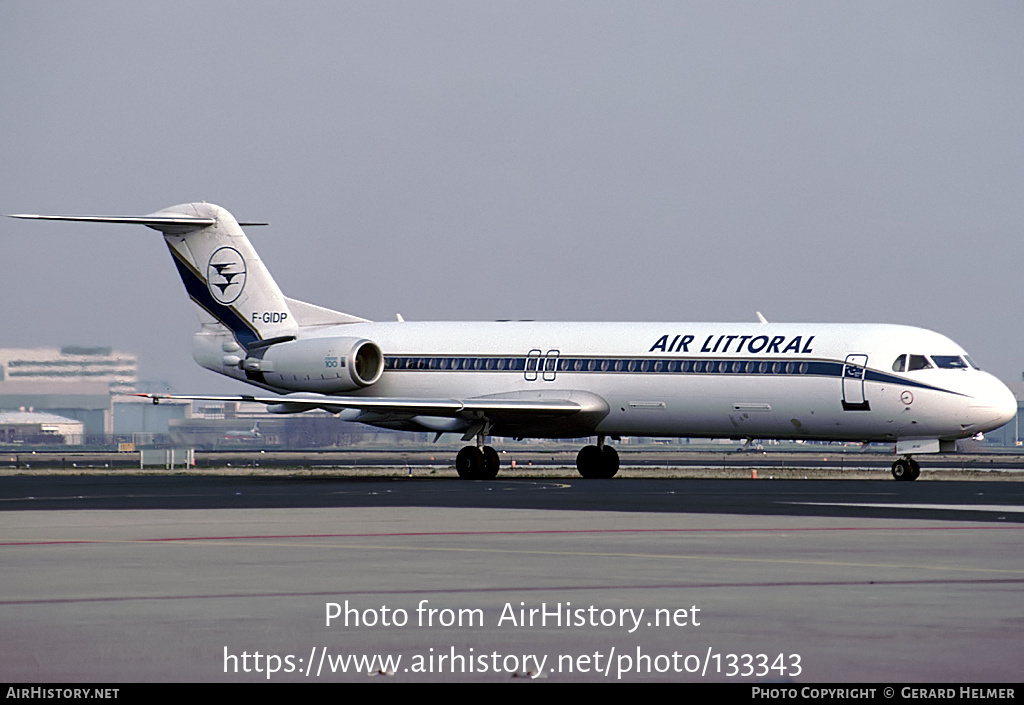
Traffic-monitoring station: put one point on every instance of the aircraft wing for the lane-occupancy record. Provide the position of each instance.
(477, 407)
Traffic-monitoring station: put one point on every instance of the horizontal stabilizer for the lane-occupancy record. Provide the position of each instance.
(163, 223)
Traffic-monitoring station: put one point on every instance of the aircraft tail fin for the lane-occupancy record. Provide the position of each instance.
(223, 274)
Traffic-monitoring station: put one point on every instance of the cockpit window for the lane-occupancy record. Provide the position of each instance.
(949, 362)
(918, 362)
(900, 364)
(971, 362)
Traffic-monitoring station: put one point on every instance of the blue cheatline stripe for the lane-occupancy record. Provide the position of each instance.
(641, 365)
(198, 291)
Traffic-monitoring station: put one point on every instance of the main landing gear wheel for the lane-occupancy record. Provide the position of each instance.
(492, 463)
(906, 470)
(597, 461)
(474, 463)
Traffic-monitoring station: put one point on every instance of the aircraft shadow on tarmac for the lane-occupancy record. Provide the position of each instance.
(977, 501)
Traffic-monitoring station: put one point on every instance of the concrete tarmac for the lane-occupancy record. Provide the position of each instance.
(227, 579)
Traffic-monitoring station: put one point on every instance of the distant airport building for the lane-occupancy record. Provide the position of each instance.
(71, 363)
(38, 428)
(75, 382)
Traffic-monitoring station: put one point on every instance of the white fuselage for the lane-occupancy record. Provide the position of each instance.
(736, 380)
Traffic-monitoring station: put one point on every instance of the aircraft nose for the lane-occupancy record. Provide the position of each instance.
(992, 408)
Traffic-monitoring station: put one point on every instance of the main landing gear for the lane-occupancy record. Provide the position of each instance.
(481, 462)
(906, 469)
(598, 461)
(478, 462)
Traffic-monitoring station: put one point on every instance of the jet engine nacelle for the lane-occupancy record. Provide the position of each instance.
(326, 365)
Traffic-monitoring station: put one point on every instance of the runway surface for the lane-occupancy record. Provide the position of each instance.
(186, 578)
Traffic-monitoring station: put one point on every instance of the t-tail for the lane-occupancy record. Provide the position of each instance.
(226, 280)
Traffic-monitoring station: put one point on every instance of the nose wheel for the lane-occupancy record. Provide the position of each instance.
(906, 469)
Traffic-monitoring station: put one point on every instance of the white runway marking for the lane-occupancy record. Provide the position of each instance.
(1008, 508)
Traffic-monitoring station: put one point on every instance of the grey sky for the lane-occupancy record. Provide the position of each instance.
(550, 160)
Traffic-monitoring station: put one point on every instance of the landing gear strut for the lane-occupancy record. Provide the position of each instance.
(598, 461)
(906, 469)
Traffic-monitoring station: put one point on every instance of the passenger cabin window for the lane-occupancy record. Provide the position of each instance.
(900, 364)
(918, 362)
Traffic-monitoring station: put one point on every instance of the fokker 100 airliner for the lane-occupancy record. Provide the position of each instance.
(812, 381)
